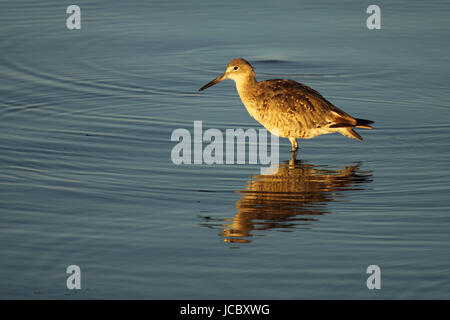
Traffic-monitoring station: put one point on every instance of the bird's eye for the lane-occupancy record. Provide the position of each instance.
(235, 68)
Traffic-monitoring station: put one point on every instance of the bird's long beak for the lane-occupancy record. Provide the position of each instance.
(211, 83)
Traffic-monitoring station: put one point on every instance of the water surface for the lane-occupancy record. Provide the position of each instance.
(86, 176)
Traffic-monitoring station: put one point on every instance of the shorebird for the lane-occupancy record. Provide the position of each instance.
(287, 108)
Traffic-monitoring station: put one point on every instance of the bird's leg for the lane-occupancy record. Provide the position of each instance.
(294, 144)
(293, 158)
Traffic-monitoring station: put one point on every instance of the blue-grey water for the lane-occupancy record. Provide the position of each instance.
(87, 179)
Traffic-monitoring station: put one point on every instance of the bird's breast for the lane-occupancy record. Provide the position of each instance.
(253, 104)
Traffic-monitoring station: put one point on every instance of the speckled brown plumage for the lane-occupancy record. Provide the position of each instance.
(287, 108)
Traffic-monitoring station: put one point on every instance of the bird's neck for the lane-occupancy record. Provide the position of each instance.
(245, 84)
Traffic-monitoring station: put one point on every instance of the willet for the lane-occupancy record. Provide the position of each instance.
(287, 108)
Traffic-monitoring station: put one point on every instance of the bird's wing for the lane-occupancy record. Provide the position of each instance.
(299, 106)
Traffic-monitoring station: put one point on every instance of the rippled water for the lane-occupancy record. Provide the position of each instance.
(86, 176)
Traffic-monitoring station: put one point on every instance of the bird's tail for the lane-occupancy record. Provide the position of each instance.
(345, 127)
(362, 123)
(349, 132)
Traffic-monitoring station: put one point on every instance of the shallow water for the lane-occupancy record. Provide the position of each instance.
(86, 176)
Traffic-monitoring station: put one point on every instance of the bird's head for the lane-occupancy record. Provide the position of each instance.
(237, 70)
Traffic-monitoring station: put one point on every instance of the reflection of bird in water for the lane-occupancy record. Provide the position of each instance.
(287, 108)
(292, 197)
